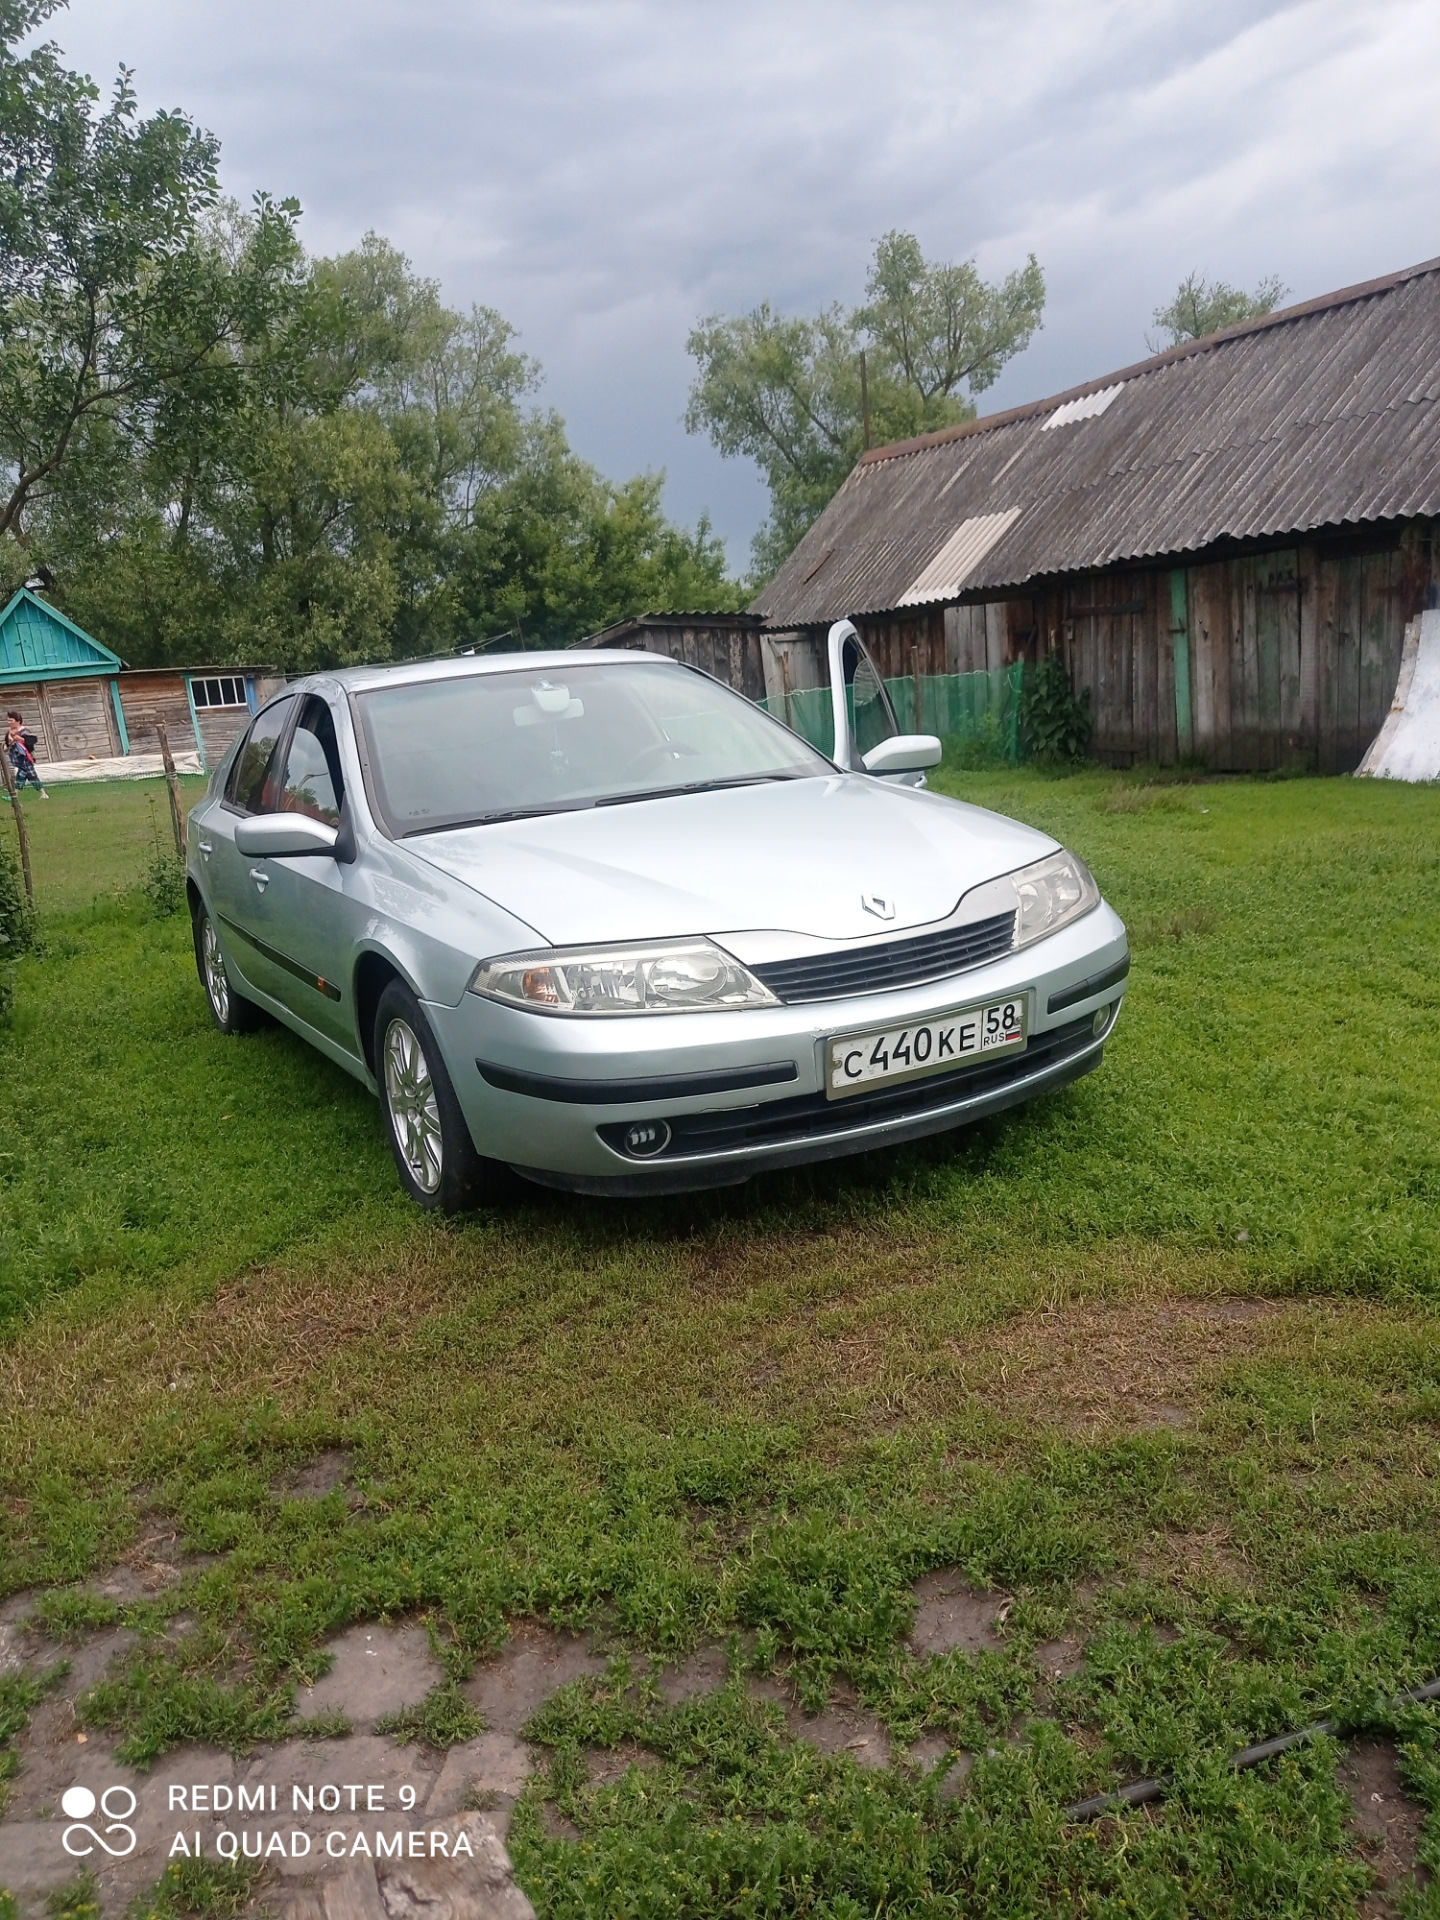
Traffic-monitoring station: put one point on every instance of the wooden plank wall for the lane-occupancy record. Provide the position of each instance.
(218, 727)
(1245, 667)
(731, 654)
(1114, 630)
(71, 719)
(894, 640)
(26, 700)
(148, 696)
(1362, 604)
(979, 639)
(1293, 654)
(80, 719)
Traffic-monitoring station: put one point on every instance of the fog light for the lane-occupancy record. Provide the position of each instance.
(647, 1138)
(1102, 1019)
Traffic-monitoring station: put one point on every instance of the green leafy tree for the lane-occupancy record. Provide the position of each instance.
(789, 393)
(107, 307)
(558, 551)
(220, 450)
(1203, 306)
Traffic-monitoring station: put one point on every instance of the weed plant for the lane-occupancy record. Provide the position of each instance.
(1055, 723)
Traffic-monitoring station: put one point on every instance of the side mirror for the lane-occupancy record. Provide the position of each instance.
(904, 753)
(275, 835)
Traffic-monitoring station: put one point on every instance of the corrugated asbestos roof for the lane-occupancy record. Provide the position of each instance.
(1322, 415)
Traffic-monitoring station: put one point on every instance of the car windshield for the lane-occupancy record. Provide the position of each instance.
(493, 746)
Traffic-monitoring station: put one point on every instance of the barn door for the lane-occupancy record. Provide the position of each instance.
(80, 720)
(1265, 663)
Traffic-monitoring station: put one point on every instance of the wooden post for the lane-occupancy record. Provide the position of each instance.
(784, 659)
(919, 690)
(177, 818)
(20, 827)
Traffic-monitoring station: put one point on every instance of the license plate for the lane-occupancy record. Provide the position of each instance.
(856, 1061)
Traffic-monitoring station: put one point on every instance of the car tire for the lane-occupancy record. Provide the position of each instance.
(434, 1154)
(230, 1011)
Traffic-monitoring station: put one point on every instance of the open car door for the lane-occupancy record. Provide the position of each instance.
(867, 735)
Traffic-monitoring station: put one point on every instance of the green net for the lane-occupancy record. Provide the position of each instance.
(976, 714)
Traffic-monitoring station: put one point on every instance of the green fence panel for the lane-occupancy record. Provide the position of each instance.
(976, 711)
(806, 711)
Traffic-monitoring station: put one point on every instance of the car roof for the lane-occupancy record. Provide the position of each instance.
(404, 673)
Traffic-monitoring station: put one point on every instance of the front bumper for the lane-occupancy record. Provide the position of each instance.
(744, 1092)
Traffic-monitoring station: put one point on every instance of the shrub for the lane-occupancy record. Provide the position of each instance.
(163, 879)
(163, 882)
(17, 929)
(1055, 724)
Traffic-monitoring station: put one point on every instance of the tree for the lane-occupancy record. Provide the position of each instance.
(1201, 306)
(107, 306)
(221, 450)
(377, 491)
(558, 551)
(789, 393)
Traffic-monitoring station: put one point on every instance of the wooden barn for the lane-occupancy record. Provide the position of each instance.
(1225, 541)
(85, 706)
(727, 645)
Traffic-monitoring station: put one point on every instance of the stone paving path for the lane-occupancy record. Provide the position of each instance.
(360, 1827)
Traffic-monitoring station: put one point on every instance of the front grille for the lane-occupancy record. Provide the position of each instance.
(810, 1116)
(888, 963)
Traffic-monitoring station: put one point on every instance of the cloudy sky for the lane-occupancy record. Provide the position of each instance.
(606, 171)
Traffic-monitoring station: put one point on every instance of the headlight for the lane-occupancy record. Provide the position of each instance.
(1052, 893)
(672, 976)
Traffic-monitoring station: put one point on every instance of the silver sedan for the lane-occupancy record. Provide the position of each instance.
(595, 918)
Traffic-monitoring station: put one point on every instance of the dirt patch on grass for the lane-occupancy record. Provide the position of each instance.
(1132, 1364)
(1389, 1824)
(951, 1615)
(328, 1471)
(842, 1727)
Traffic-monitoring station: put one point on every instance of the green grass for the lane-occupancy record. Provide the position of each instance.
(760, 1415)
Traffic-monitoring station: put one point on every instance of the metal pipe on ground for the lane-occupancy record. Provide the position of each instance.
(1140, 1793)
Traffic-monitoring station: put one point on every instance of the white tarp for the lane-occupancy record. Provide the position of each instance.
(131, 766)
(1407, 747)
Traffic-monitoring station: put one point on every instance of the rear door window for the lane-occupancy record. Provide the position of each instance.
(254, 783)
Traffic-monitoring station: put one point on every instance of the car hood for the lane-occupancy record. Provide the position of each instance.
(794, 856)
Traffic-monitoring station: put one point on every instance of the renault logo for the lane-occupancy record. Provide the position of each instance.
(877, 904)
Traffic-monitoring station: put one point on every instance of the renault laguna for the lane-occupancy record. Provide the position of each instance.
(596, 919)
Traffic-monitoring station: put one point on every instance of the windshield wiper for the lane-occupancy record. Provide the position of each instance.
(605, 800)
(694, 786)
(493, 819)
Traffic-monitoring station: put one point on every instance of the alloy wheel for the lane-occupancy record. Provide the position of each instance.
(216, 983)
(414, 1109)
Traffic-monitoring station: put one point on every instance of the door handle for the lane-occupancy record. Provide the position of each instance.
(260, 877)
(206, 848)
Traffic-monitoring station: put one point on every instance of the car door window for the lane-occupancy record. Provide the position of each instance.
(313, 783)
(254, 783)
(871, 713)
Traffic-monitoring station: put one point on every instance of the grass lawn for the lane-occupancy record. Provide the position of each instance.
(1156, 1357)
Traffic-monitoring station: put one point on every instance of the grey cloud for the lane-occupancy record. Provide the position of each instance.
(606, 172)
